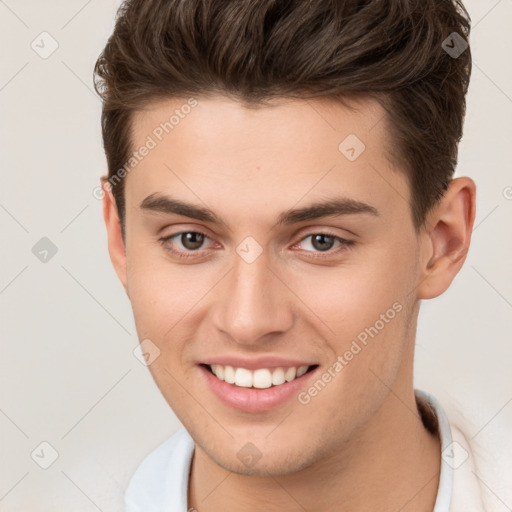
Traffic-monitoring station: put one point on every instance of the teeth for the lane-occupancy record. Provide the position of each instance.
(261, 379)
(219, 370)
(278, 377)
(229, 374)
(243, 378)
(290, 374)
(302, 370)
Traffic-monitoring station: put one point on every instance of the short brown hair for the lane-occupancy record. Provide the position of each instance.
(252, 51)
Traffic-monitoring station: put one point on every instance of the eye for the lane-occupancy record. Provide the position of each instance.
(324, 242)
(190, 242)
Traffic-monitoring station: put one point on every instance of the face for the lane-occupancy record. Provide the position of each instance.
(251, 276)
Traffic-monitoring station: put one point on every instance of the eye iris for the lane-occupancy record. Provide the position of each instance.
(319, 242)
(192, 240)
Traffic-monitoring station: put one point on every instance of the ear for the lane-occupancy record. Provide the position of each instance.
(446, 238)
(116, 247)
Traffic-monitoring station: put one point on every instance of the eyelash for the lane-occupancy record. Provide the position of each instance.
(345, 244)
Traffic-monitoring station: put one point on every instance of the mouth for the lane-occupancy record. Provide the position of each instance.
(256, 385)
(260, 378)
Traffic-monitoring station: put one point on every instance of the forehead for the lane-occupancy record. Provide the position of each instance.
(218, 151)
(280, 124)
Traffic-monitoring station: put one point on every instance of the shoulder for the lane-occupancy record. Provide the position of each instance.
(482, 467)
(160, 481)
(470, 480)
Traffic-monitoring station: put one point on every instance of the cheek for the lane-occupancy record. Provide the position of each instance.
(165, 295)
(353, 296)
(367, 311)
(365, 308)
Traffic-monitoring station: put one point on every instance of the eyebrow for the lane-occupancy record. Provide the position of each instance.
(333, 207)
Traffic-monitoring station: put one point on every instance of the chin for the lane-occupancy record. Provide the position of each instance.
(260, 458)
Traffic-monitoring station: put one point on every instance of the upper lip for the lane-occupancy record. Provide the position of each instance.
(255, 363)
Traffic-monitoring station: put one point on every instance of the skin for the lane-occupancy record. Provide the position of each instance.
(360, 443)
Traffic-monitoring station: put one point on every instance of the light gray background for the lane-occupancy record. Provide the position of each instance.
(68, 374)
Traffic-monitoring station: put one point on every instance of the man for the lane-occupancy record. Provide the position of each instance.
(280, 198)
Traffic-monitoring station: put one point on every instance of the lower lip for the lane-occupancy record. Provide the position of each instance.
(252, 399)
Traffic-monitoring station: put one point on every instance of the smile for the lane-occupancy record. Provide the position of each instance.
(260, 378)
(257, 384)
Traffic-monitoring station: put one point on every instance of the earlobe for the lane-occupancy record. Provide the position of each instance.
(447, 238)
(116, 246)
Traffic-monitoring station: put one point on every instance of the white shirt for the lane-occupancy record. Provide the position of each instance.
(160, 483)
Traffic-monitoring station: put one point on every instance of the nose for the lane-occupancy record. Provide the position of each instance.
(254, 303)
